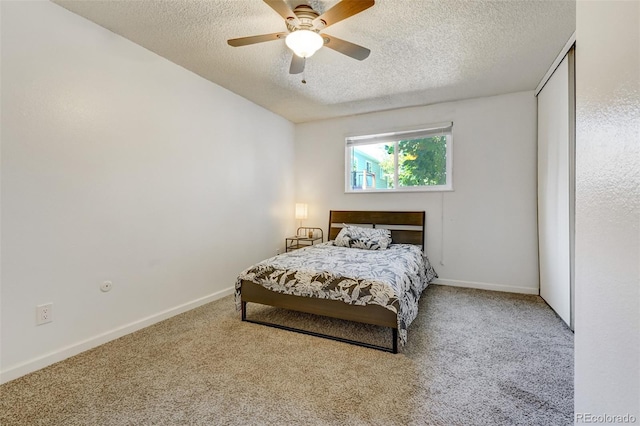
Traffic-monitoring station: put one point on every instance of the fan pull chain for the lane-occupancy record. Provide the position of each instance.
(304, 80)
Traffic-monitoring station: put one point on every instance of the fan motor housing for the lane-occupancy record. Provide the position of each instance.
(305, 15)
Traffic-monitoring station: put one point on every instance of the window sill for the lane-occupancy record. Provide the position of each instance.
(403, 190)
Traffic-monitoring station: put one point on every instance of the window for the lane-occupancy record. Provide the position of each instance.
(415, 160)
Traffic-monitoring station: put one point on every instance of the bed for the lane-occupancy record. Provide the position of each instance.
(380, 287)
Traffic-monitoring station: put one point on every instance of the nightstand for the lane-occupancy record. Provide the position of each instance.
(304, 237)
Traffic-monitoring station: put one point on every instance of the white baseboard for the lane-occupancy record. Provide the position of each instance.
(487, 286)
(71, 350)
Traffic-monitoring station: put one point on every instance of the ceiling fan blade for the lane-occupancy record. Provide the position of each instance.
(297, 64)
(346, 47)
(282, 9)
(342, 10)
(243, 41)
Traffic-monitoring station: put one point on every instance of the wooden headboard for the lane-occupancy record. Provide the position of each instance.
(405, 227)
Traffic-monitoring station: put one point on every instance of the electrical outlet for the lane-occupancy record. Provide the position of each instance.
(278, 250)
(44, 313)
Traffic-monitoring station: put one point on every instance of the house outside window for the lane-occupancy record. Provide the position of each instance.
(414, 160)
(371, 176)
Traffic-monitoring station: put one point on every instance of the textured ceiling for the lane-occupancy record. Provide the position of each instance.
(422, 52)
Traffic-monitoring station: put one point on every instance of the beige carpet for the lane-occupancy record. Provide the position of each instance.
(473, 358)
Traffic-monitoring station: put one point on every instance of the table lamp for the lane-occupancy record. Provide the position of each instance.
(301, 212)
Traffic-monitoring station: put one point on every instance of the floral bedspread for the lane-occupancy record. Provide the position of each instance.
(393, 278)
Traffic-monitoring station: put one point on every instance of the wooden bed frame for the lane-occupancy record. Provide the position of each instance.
(405, 227)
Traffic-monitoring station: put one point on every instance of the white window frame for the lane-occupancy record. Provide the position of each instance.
(392, 137)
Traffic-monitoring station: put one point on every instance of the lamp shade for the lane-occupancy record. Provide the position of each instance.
(304, 43)
(301, 211)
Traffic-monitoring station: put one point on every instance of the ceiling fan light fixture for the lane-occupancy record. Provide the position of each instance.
(304, 43)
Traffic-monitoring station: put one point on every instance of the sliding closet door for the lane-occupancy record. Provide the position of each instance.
(555, 183)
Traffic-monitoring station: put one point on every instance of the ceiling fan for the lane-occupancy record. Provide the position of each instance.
(304, 25)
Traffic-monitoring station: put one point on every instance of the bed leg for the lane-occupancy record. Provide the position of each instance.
(244, 310)
(394, 332)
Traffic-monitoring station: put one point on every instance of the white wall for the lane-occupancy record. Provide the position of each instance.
(488, 238)
(119, 165)
(607, 262)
